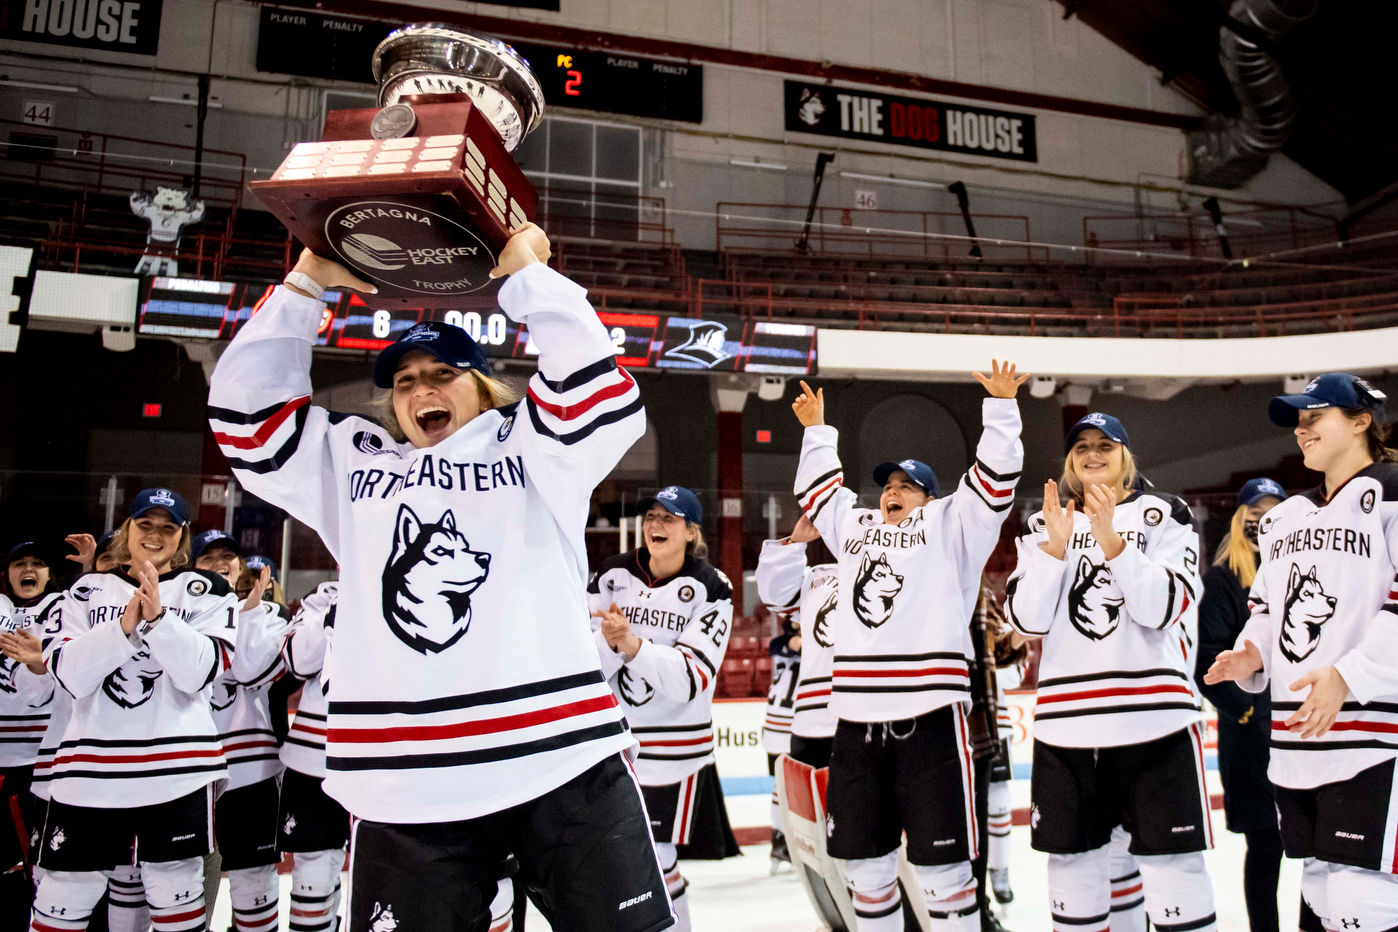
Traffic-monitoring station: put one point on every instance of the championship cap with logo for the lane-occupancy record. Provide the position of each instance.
(677, 500)
(1099, 421)
(1332, 390)
(257, 562)
(27, 548)
(452, 345)
(150, 499)
(1255, 490)
(209, 538)
(919, 472)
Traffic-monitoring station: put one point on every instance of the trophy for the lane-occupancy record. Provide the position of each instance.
(418, 195)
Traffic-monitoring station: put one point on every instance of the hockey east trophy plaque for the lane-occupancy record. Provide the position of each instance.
(418, 195)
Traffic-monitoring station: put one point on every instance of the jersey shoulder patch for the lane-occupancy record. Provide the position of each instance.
(214, 583)
(1179, 509)
(717, 585)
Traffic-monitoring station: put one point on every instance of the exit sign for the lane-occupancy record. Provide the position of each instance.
(150, 410)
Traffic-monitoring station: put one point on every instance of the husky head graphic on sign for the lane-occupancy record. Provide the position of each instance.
(1094, 602)
(874, 590)
(133, 683)
(428, 581)
(812, 108)
(704, 344)
(1307, 608)
(635, 691)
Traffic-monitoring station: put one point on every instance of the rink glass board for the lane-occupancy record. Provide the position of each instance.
(217, 311)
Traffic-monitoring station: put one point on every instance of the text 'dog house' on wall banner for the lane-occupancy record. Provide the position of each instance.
(920, 122)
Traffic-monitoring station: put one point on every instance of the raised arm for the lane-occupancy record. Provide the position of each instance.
(781, 568)
(684, 671)
(820, 478)
(582, 411)
(260, 403)
(983, 498)
(304, 644)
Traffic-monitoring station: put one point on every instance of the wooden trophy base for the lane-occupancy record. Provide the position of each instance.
(422, 216)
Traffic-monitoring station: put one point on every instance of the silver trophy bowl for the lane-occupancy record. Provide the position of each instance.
(435, 58)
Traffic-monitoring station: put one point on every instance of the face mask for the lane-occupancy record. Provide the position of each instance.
(1250, 530)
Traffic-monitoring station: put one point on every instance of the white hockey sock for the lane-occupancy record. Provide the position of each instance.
(998, 823)
(502, 908)
(1080, 891)
(65, 899)
(254, 892)
(315, 889)
(873, 885)
(175, 892)
(1178, 892)
(776, 813)
(950, 893)
(675, 884)
(1128, 900)
(126, 901)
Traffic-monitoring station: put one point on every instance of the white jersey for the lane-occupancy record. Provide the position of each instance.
(466, 680)
(1326, 595)
(26, 698)
(142, 731)
(906, 591)
(781, 695)
(667, 689)
(1113, 670)
(305, 650)
(242, 711)
(810, 594)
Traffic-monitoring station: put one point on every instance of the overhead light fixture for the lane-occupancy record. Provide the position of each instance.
(183, 101)
(33, 85)
(890, 179)
(753, 163)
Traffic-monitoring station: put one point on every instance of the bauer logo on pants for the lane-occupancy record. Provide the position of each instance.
(428, 581)
(409, 247)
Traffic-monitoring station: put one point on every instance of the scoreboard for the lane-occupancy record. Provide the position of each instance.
(193, 308)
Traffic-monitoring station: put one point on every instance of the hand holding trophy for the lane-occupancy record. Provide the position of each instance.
(419, 196)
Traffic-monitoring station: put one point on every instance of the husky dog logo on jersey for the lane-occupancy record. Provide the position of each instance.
(821, 629)
(634, 688)
(133, 683)
(1307, 608)
(1094, 605)
(224, 694)
(428, 581)
(874, 590)
(381, 920)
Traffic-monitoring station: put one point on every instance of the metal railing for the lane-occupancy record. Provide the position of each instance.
(885, 233)
(1250, 233)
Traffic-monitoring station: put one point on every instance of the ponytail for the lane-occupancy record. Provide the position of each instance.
(1236, 552)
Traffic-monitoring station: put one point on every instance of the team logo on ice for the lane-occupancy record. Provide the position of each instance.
(133, 683)
(821, 629)
(875, 588)
(428, 581)
(811, 107)
(704, 345)
(289, 825)
(381, 919)
(1307, 608)
(57, 839)
(634, 688)
(1094, 603)
(197, 587)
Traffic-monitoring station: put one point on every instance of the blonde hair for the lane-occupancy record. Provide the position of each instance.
(120, 547)
(1236, 552)
(696, 548)
(492, 392)
(1071, 484)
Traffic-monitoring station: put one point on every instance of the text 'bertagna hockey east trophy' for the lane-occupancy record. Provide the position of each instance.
(418, 196)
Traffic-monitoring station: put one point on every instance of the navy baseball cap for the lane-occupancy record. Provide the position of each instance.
(1254, 490)
(450, 344)
(207, 539)
(919, 472)
(27, 548)
(1103, 422)
(103, 543)
(256, 563)
(148, 499)
(1331, 390)
(677, 500)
